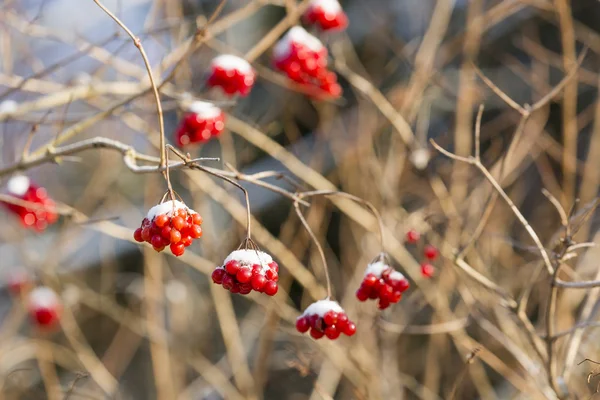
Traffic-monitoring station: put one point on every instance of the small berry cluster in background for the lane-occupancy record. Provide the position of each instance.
(246, 270)
(232, 74)
(171, 224)
(303, 58)
(202, 122)
(20, 187)
(382, 282)
(44, 307)
(325, 318)
(429, 251)
(327, 15)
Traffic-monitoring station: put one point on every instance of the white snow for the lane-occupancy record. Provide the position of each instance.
(43, 297)
(321, 307)
(377, 269)
(328, 6)
(8, 107)
(296, 35)
(249, 258)
(229, 61)
(18, 185)
(167, 208)
(204, 109)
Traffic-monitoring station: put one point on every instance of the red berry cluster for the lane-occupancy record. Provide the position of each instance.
(170, 224)
(44, 307)
(429, 251)
(325, 318)
(200, 124)
(247, 270)
(384, 283)
(20, 187)
(303, 58)
(328, 15)
(233, 74)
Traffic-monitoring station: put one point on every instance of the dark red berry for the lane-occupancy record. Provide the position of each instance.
(331, 332)
(258, 282)
(350, 329)
(427, 270)
(232, 267)
(430, 252)
(270, 288)
(302, 325)
(412, 236)
(137, 235)
(217, 275)
(244, 275)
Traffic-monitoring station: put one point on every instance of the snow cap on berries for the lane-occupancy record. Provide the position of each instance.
(18, 185)
(204, 109)
(329, 6)
(229, 62)
(297, 35)
(379, 267)
(250, 257)
(43, 297)
(167, 208)
(321, 307)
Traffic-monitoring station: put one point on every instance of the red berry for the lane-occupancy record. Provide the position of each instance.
(147, 234)
(195, 231)
(302, 325)
(245, 288)
(186, 240)
(258, 282)
(331, 332)
(362, 294)
(316, 334)
(235, 288)
(342, 321)
(196, 219)
(383, 304)
(274, 266)
(232, 267)
(427, 270)
(244, 275)
(412, 236)
(217, 275)
(330, 318)
(178, 223)
(270, 288)
(174, 236)
(161, 220)
(370, 280)
(137, 235)
(156, 241)
(386, 292)
(396, 297)
(44, 316)
(430, 252)
(401, 285)
(166, 232)
(228, 282)
(177, 249)
(256, 269)
(270, 274)
(350, 329)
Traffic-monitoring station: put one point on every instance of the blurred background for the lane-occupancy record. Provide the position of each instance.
(142, 325)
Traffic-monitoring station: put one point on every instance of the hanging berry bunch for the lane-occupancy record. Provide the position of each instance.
(232, 74)
(172, 224)
(202, 122)
(44, 307)
(303, 58)
(325, 318)
(248, 269)
(382, 282)
(430, 252)
(327, 15)
(38, 218)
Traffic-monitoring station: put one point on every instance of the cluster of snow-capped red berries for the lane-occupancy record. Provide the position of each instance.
(202, 122)
(44, 307)
(303, 58)
(382, 282)
(247, 270)
(328, 15)
(21, 187)
(429, 251)
(325, 318)
(171, 224)
(232, 74)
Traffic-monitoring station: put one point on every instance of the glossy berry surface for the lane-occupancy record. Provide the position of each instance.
(232, 74)
(427, 270)
(202, 122)
(381, 282)
(44, 307)
(325, 318)
(170, 224)
(43, 211)
(303, 58)
(412, 236)
(328, 15)
(246, 270)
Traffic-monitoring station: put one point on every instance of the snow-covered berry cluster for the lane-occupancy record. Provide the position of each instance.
(21, 188)
(202, 122)
(382, 282)
(325, 318)
(171, 224)
(246, 270)
(44, 307)
(328, 15)
(429, 251)
(303, 58)
(232, 74)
